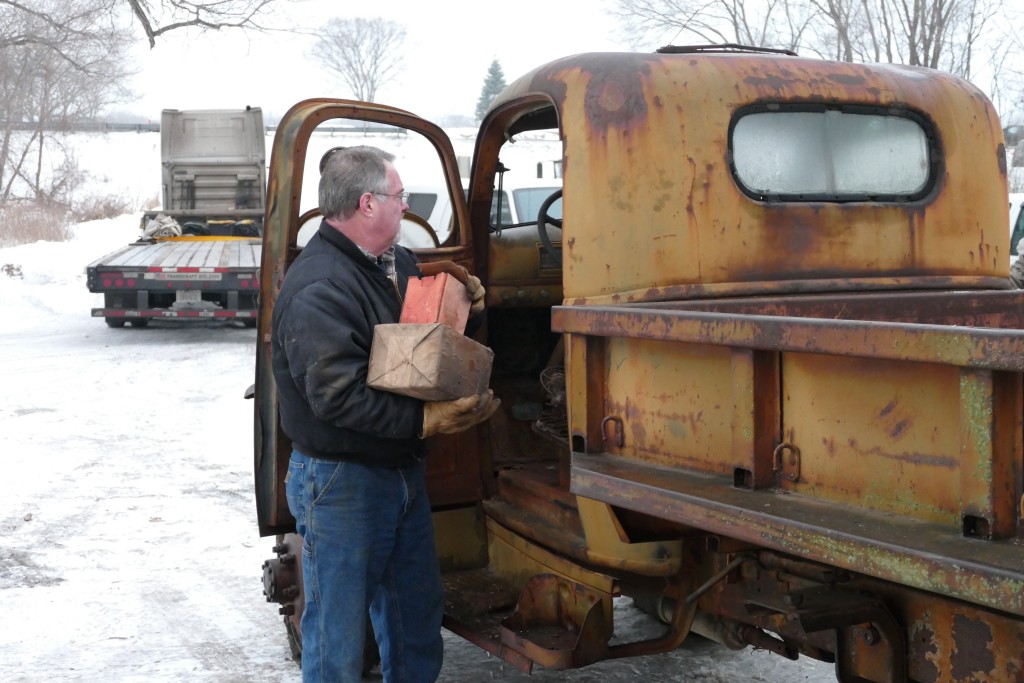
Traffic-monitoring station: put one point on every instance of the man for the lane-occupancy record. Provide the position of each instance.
(1017, 267)
(355, 481)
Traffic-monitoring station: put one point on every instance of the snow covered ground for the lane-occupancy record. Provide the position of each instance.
(128, 549)
(128, 542)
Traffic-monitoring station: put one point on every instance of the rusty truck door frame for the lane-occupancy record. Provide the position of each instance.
(281, 225)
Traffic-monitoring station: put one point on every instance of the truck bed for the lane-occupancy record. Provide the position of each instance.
(879, 433)
(178, 278)
(180, 255)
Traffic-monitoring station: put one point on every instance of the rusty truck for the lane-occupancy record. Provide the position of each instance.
(764, 372)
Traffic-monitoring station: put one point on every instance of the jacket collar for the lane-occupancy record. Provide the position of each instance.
(346, 246)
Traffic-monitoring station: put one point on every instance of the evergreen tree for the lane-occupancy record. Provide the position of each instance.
(493, 84)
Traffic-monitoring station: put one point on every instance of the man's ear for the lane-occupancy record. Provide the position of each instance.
(366, 204)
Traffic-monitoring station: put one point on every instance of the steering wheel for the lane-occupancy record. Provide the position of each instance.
(308, 215)
(542, 226)
(421, 222)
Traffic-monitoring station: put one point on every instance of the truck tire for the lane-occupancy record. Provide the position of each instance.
(114, 322)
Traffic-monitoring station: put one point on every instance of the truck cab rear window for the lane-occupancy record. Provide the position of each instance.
(831, 155)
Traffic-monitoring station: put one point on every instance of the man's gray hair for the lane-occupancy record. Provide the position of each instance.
(348, 174)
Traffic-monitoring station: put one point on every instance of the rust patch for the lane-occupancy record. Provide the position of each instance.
(615, 95)
(973, 653)
(899, 428)
(638, 432)
(948, 462)
(550, 81)
(849, 80)
(923, 652)
(774, 83)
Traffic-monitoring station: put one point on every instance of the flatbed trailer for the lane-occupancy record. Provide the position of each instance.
(180, 278)
(197, 257)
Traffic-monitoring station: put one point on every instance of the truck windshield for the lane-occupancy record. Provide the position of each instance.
(830, 155)
(528, 201)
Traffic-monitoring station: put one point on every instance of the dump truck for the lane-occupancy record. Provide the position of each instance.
(197, 257)
(764, 375)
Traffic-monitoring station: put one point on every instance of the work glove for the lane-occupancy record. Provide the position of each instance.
(451, 417)
(476, 294)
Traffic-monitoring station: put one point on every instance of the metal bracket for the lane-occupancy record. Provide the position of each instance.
(786, 461)
(846, 613)
(617, 438)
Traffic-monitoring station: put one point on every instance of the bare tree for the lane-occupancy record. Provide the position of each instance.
(759, 23)
(53, 74)
(171, 15)
(62, 96)
(1007, 75)
(155, 17)
(63, 61)
(364, 54)
(940, 34)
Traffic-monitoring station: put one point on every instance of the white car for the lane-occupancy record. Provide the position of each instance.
(520, 202)
(1016, 223)
(431, 203)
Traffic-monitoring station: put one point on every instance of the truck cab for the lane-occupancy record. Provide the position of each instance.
(759, 359)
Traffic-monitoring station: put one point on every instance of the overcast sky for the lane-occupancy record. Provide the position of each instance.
(449, 47)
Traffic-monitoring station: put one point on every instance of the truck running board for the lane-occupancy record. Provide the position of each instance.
(924, 555)
(557, 623)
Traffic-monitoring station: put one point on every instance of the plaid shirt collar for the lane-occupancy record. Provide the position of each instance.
(386, 261)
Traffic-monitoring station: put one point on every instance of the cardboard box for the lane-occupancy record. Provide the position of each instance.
(428, 361)
(437, 298)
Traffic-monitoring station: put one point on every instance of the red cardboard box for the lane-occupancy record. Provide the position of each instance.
(436, 299)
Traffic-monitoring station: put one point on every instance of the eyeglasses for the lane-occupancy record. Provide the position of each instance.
(404, 196)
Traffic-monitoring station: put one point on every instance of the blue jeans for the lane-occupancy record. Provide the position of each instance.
(367, 547)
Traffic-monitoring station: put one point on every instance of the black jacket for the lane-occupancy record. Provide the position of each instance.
(323, 321)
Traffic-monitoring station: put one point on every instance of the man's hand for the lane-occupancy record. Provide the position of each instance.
(476, 294)
(451, 417)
